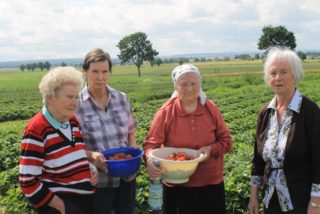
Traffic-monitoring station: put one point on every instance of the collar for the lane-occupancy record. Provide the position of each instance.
(56, 124)
(294, 105)
(181, 112)
(86, 94)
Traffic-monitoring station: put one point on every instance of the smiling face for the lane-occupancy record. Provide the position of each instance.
(281, 78)
(64, 103)
(98, 75)
(188, 87)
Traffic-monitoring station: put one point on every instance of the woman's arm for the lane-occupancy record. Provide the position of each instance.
(132, 140)
(254, 200)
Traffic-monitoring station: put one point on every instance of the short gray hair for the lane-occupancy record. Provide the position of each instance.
(289, 56)
(58, 77)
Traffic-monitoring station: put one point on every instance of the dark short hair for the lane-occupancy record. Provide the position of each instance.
(96, 55)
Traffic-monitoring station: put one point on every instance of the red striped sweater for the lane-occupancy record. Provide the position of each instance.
(51, 163)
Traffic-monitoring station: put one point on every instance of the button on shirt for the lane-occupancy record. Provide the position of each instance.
(105, 128)
(273, 154)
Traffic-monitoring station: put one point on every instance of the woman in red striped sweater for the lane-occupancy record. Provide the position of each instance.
(55, 174)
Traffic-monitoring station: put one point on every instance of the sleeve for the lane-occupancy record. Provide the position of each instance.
(79, 114)
(258, 163)
(30, 169)
(313, 136)
(223, 141)
(156, 135)
(131, 121)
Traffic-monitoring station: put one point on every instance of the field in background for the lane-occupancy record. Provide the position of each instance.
(237, 87)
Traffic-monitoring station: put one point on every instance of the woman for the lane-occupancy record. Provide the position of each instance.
(54, 169)
(286, 152)
(190, 120)
(107, 122)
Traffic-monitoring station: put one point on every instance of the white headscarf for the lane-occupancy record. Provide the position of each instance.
(186, 68)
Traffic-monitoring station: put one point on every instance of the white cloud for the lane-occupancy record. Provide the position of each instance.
(70, 28)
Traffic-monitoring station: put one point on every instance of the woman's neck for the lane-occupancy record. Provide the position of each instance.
(189, 106)
(100, 97)
(284, 100)
(56, 116)
(282, 104)
(98, 92)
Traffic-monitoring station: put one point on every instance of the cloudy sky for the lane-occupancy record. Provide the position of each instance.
(38, 29)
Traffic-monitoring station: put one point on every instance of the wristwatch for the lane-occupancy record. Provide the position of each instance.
(315, 205)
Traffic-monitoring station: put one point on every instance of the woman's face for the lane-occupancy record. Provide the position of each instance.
(188, 87)
(63, 105)
(281, 77)
(98, 75)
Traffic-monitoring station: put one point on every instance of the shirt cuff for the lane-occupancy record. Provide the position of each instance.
(256, 181)
(315, 190)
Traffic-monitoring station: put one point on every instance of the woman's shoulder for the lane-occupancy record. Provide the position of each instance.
(309, 103)
(116, 92)
(211, 105)
(37, 123)
(169, 104)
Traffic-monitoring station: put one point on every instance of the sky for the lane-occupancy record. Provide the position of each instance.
(49, 29)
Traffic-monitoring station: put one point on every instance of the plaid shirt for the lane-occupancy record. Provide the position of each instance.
(105, 128)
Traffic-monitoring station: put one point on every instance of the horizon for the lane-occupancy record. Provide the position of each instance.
(187, 55)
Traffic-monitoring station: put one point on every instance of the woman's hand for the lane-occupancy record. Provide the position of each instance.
(98, 159)
(206, 150)
(57, 203)
(134, 145)
(94, 174)
(253, 202)
(314, 210)
(153, 170)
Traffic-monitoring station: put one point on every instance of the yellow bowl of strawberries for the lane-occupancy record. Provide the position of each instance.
(178, 164)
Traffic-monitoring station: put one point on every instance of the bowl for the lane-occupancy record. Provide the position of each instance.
(120, 168)
(176, 172)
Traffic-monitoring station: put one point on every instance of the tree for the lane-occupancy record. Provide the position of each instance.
(47, 65)
(22, 67)
(276, 36)
(28, 66)
(301, 55)
(136, 48)
(158, 61)
(63, 64)
(41, 65)
(34, 66)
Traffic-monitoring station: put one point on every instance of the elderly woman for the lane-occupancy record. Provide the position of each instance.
(54, 169)
(287, 144)
(107, 122)
(190, 120)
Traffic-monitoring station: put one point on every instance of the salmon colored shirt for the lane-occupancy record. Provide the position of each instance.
(173, 127)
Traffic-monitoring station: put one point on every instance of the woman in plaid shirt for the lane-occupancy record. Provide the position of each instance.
(106, 120)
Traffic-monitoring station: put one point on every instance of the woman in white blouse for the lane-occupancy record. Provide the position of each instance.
(286, 162)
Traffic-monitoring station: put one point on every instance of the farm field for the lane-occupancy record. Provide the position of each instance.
(237, 87)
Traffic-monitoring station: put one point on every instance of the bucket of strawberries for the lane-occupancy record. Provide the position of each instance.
(178, 164)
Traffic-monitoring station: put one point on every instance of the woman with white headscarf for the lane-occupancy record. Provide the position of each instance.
(190, 120)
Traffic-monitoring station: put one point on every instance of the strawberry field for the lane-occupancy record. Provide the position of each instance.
(236, 87)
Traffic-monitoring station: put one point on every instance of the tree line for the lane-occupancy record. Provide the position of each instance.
(40, 65)
(32, 66)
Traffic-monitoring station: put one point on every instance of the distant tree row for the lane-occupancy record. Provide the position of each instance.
(33, 66)
(40, 65)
